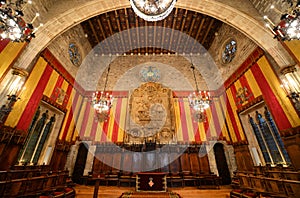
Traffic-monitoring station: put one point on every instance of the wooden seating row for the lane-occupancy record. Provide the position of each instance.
(266, 186)
(106, 161)
(19, 174)
(173, 180)
(183, 169)
(35, 186)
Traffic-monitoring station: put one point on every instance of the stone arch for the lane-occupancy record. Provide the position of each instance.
(60, 23)
(229, 154)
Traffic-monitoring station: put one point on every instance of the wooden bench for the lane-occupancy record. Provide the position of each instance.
(269, 186)
(34, 186)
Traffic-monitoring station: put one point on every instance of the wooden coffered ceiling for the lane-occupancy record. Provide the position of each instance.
(142, 37)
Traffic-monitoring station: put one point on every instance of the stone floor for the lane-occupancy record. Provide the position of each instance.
(187, 192)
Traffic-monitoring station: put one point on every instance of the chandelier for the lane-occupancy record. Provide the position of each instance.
(199, 101)
(152, 10)
(289, 26)
(12, 25)
(102, 101)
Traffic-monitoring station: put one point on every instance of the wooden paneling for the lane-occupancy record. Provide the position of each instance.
(116, 161)
(164, 160)
(195, 168)
(188, 163)
(108, 159)
(185, 162)
(127, 162)
(204, 165)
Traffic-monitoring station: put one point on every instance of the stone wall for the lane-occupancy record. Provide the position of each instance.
(263, 7)
(59, 47)
(244, 48)
(230, 158)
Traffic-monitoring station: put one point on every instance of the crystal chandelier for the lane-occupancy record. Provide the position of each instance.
(152, 10)
(12, 25)
(102, 101)
(289, 26)
(199, 101)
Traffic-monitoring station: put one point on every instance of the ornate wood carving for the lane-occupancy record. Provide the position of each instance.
(151, 115)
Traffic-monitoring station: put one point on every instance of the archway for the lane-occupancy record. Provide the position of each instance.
(222, 165)
(67, 19)
(80, 163)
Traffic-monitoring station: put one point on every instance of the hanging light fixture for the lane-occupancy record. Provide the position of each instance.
(12, 25)
(288, 27)
(152, 10)
(199, 100)
(12, 91)
(291, 84)
(102, 101)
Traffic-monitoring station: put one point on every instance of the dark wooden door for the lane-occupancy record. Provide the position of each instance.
(222, 164)
(80, 163)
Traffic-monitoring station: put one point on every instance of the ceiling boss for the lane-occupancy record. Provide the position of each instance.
(152, 10)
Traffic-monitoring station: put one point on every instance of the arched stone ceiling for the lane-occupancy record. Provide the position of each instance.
(74, 12)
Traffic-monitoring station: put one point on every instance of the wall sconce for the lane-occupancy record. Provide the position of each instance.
(291, 84)
(11, 90)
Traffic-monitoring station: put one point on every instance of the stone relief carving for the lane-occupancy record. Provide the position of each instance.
(151, 115)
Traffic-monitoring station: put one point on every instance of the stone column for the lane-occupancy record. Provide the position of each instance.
(212, 160)
(231, 162)
(71, 158)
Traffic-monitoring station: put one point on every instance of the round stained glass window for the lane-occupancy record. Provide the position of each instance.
(229, 51)
(150, 74)
(74, 54)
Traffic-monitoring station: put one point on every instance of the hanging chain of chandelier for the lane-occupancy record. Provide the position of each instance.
(102, 101)
(12, 24)
(199, 101)
(288, 27)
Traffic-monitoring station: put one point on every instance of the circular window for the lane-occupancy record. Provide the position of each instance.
(229, 51)
(74, 54)
(150, 74)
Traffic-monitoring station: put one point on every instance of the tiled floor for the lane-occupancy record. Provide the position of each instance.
(187, 192)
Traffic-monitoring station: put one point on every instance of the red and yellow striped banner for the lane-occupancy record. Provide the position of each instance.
(72, 104)
(9, 52)
(188, 129)
(279, 105)
(258, 80)
(111, 130)
(31, 95)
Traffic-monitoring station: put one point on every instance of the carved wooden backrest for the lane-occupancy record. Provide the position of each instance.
(185, 163)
